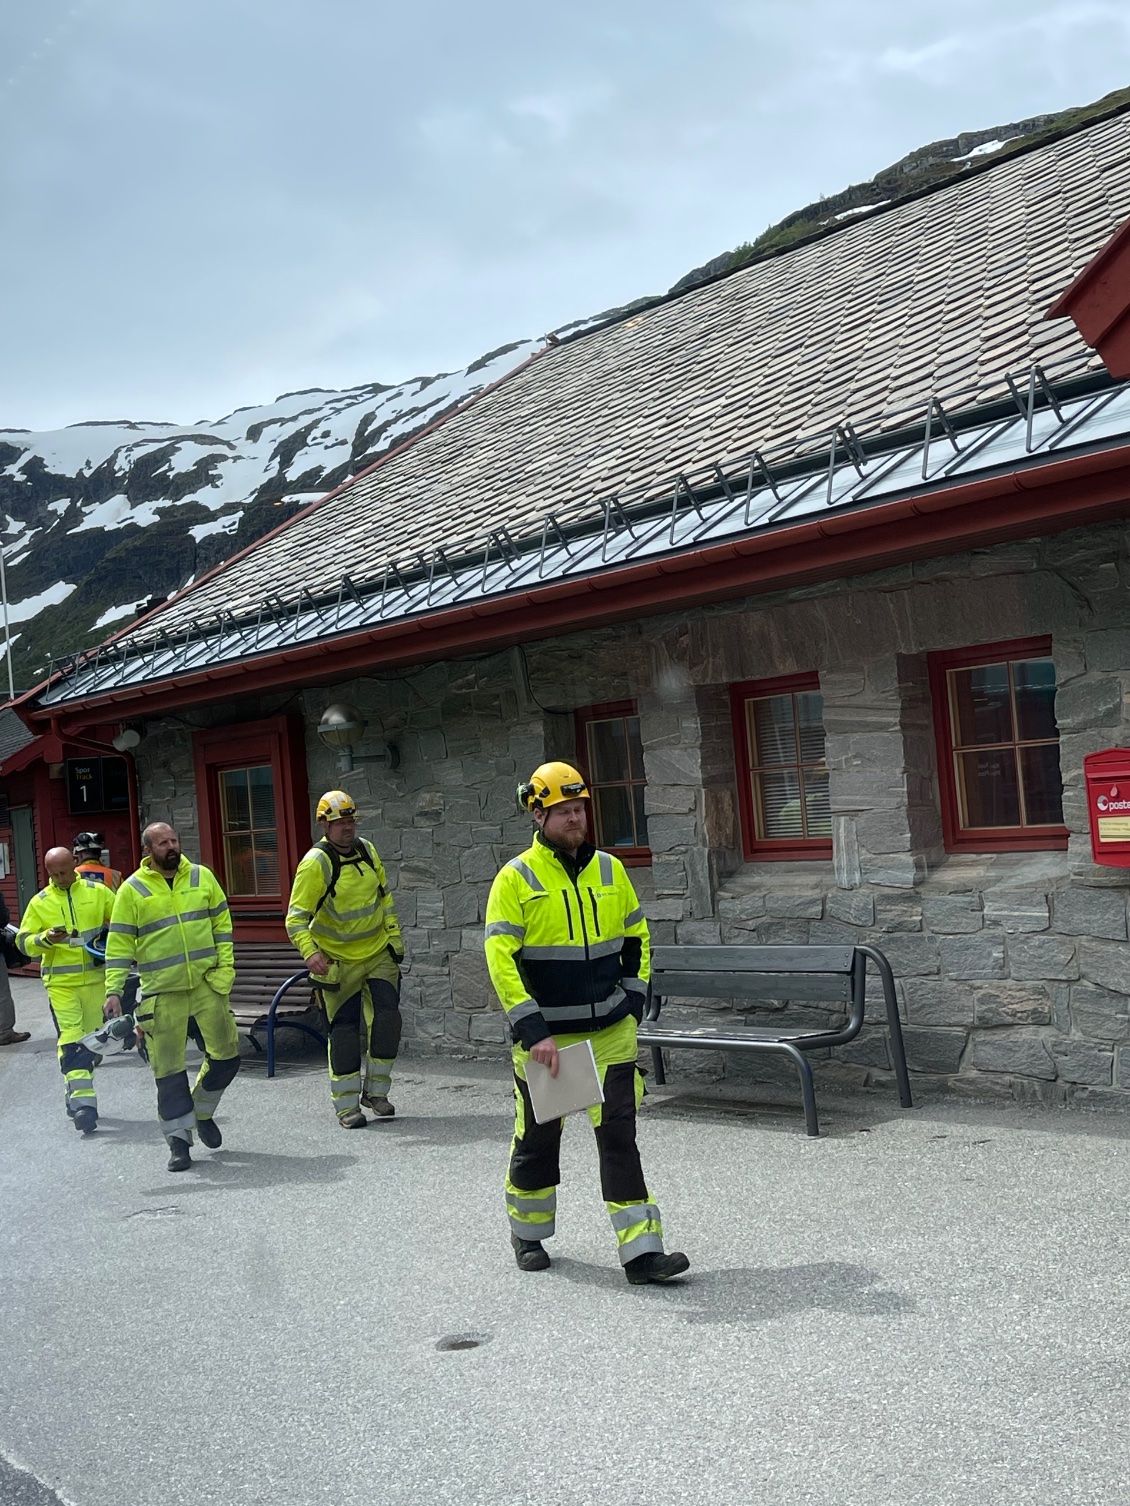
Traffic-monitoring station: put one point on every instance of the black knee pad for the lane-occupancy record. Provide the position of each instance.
(217, 1074)
(174, 1097)
(76, 1058)
(535, 1160)
(345, 1038)
(384, 1033)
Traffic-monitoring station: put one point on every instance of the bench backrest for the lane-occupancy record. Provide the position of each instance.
(829, 974)
(260, 968)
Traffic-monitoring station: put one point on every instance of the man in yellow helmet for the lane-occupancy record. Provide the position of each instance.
(342, 920)
(171, 920)
(60, 925)
(568, 953)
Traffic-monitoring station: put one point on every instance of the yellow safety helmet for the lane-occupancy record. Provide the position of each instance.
(550, 785)
(335, 805)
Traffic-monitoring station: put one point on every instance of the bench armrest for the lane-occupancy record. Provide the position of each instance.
(653, 1005)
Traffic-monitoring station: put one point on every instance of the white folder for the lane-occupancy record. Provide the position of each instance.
(576, 1086)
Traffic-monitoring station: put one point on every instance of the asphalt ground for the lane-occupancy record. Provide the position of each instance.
(919, 1307)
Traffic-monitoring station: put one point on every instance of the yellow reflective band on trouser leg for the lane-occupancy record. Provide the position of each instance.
(378, 1075)
(77, 1011)
(639, 1229)
(345, 1093)
(532, 1215)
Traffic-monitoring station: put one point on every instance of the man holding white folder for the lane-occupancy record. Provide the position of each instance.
(567, 948)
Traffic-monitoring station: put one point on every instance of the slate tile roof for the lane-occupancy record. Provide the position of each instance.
(936, 295)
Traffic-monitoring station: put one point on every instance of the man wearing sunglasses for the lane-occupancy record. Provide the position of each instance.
(567, 948)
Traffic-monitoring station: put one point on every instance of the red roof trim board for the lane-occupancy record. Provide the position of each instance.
(1066, 494)
(1098, 302)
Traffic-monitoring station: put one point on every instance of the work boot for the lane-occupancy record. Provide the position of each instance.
(355, 1119)
(656, 1266)
(209, 1132)
(530, 1254)
(379, 1106)
(179, 1158)
(14, 1037)
(86, 1120)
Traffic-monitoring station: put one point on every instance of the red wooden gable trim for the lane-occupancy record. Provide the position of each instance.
(1099, 303)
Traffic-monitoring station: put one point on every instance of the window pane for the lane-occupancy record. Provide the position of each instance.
(613, 811)
(267, 863)
(236, 806)
(1043, 785)
(989, 788)
(776, 796)
(810, 725)
(641, 819)
(817, 807)
(608, 750)
(773, 730)
(240, 864)
(981, 705)
(635, 745)
(1034, 685)
(262, 798)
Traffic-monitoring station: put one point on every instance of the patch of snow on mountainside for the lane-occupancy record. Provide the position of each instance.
(135, 508)
(21, 611)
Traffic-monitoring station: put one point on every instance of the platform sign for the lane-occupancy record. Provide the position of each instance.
(96, 785)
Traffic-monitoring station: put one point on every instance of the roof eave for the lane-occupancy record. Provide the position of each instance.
(1018, 503)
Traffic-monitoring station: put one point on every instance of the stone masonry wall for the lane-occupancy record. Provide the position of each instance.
(1011, 967)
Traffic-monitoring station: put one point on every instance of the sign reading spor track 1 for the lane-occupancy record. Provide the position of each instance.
(96, 785)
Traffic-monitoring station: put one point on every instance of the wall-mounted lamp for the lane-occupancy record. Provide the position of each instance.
(128, 738)
(342, 727)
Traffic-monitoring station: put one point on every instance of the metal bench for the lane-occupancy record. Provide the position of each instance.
(817, 974)
(271, 988)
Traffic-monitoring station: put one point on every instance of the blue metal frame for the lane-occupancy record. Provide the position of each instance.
(302, 977)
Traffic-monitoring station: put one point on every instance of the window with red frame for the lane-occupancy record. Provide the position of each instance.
(782, 776)
(998, 747)
(610, 753)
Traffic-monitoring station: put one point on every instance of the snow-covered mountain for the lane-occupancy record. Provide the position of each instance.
(103, 518)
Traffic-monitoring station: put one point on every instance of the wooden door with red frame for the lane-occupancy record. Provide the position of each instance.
(254, 817)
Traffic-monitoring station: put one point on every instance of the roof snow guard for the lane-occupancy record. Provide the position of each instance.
(946, 446)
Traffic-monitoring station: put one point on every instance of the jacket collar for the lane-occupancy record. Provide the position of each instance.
(574, 864)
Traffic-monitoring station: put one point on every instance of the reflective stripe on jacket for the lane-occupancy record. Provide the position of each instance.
(566, 942)
(178, 934)
(357, 921)
(83, 909)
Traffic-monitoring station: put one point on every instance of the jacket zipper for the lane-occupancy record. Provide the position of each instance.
(584, 929)
(595, 919)
(568, 913)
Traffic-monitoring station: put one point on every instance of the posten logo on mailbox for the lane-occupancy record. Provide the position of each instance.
(1108, 805)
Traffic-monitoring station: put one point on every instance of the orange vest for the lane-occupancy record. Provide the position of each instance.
(101, 874)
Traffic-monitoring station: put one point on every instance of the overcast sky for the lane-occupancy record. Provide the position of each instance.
(206, 204)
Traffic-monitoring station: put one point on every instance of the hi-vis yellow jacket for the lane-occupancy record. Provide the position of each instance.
(566, 942)
(84, 909)
(178, 935)
(357, 921)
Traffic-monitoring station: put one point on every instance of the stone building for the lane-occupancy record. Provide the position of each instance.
(819, 571)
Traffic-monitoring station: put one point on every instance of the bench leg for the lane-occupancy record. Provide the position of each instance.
(657, 1063)
(807, 1091)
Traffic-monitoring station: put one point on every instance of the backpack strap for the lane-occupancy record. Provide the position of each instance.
(363, 850)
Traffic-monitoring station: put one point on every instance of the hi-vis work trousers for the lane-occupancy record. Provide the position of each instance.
(77, 1011)
(164, 1020)
(535, 1154)
(362, 1004)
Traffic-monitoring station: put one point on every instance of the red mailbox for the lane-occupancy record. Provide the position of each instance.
(1108, 805)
